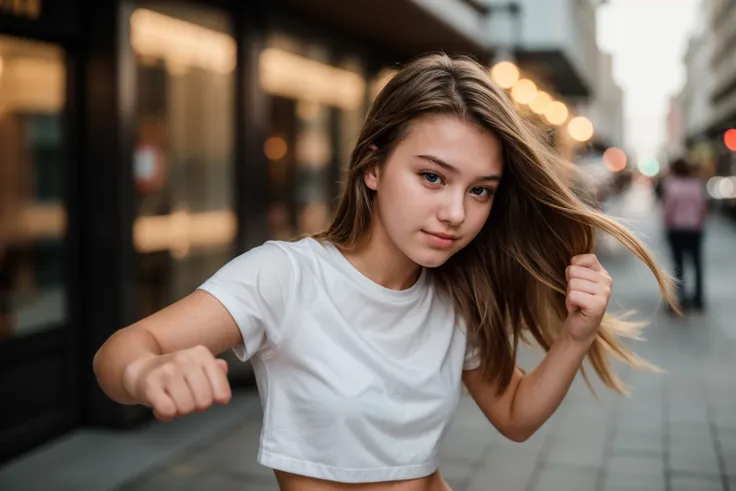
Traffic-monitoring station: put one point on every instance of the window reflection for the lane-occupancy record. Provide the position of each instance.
(317, 106)
(32, 212)
(183, 158)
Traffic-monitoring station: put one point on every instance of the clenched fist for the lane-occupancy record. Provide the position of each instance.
(179, 383)
(588, 292)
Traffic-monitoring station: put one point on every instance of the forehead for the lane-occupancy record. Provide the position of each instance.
(461, 144)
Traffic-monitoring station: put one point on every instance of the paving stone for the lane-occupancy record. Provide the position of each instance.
(627, 441)
(488, 480)
(572, 478)
(697, 483)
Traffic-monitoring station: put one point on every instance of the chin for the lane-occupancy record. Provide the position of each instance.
(431, 258)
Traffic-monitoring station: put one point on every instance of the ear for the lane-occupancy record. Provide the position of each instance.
(371, 177)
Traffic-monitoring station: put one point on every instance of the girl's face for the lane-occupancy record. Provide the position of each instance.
(435, 191)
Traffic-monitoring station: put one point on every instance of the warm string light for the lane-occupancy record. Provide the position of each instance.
(525, 92)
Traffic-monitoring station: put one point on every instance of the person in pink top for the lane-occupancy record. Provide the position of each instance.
(685, 209)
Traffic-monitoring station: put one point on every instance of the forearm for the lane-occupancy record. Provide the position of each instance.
(118, 353)
(541, 391)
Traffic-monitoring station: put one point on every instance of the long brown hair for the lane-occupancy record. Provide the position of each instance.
(509, 282)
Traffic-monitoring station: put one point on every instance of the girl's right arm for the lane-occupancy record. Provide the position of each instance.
(167, 360)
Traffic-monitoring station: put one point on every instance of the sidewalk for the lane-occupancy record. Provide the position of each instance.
(676, 432)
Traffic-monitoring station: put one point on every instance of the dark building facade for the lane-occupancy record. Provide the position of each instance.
(143, 143)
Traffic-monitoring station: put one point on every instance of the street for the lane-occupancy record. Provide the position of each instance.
(676, 432)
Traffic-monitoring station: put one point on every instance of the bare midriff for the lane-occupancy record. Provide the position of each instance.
(293, 482)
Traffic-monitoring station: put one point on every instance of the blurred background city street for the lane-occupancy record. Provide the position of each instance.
(144, 143)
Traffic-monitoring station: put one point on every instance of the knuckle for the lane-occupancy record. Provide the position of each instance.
(200, 350)
(167, 370)
(181, 357)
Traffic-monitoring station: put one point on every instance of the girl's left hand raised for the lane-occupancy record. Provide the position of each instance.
(588, 291)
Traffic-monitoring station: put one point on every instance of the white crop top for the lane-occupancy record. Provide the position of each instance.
(358, 382)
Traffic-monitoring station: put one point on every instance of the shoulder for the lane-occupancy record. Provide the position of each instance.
(276, 253)
(282, 258)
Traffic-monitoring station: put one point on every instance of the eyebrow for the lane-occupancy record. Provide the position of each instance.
(454, 170)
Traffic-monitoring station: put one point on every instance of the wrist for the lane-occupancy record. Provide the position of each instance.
(133, 373)
(583, 342)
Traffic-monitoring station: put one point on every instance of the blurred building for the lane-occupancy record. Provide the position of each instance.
(693, 104)
(605, 108)
(721, 19)
(554, 44)
(143, 143)
(553, 41)
(675, 130)
(708, 98)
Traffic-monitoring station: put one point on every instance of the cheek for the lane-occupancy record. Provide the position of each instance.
(476, 218)
(403, 200)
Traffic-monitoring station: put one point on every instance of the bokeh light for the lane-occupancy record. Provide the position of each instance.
(712, 187)
(505, 74)
(726, 188)
(524, 91)
(649, 167)
(275, 148)
(556, 113)
(580, 129)
(614, 159)
(541, 102)
(729, 138)
(720, 187)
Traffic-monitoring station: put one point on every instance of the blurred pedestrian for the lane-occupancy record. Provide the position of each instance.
(684, 209)
(456, 235)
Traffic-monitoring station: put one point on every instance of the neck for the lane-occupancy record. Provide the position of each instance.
(378, 259)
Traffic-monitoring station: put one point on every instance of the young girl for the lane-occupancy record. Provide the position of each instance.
(455, 237)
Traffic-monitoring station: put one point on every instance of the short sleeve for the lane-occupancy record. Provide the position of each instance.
(255, 288)
(472, 357)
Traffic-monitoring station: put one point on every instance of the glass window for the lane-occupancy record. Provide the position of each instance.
(183, 160)
(32, 211)
(314, 104)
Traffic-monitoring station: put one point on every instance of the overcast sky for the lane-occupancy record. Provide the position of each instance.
(648, 39)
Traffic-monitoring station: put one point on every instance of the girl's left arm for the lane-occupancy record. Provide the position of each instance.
(532, 398)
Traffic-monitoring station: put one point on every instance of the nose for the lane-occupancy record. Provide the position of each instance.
(452, 210)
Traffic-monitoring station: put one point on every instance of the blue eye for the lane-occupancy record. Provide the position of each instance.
(480, 190)
(431, 177)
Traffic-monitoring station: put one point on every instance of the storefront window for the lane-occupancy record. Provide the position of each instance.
(306, 144)
(32, 210)
(183, 159)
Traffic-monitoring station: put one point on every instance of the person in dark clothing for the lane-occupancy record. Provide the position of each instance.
(685, 210)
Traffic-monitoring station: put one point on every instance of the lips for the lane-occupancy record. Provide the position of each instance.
(440, 240)
(442, 236)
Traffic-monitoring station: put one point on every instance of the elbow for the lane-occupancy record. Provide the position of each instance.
(518, 436)
(97, 362)
(99, 367)
(518, 433)
(106, 366)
